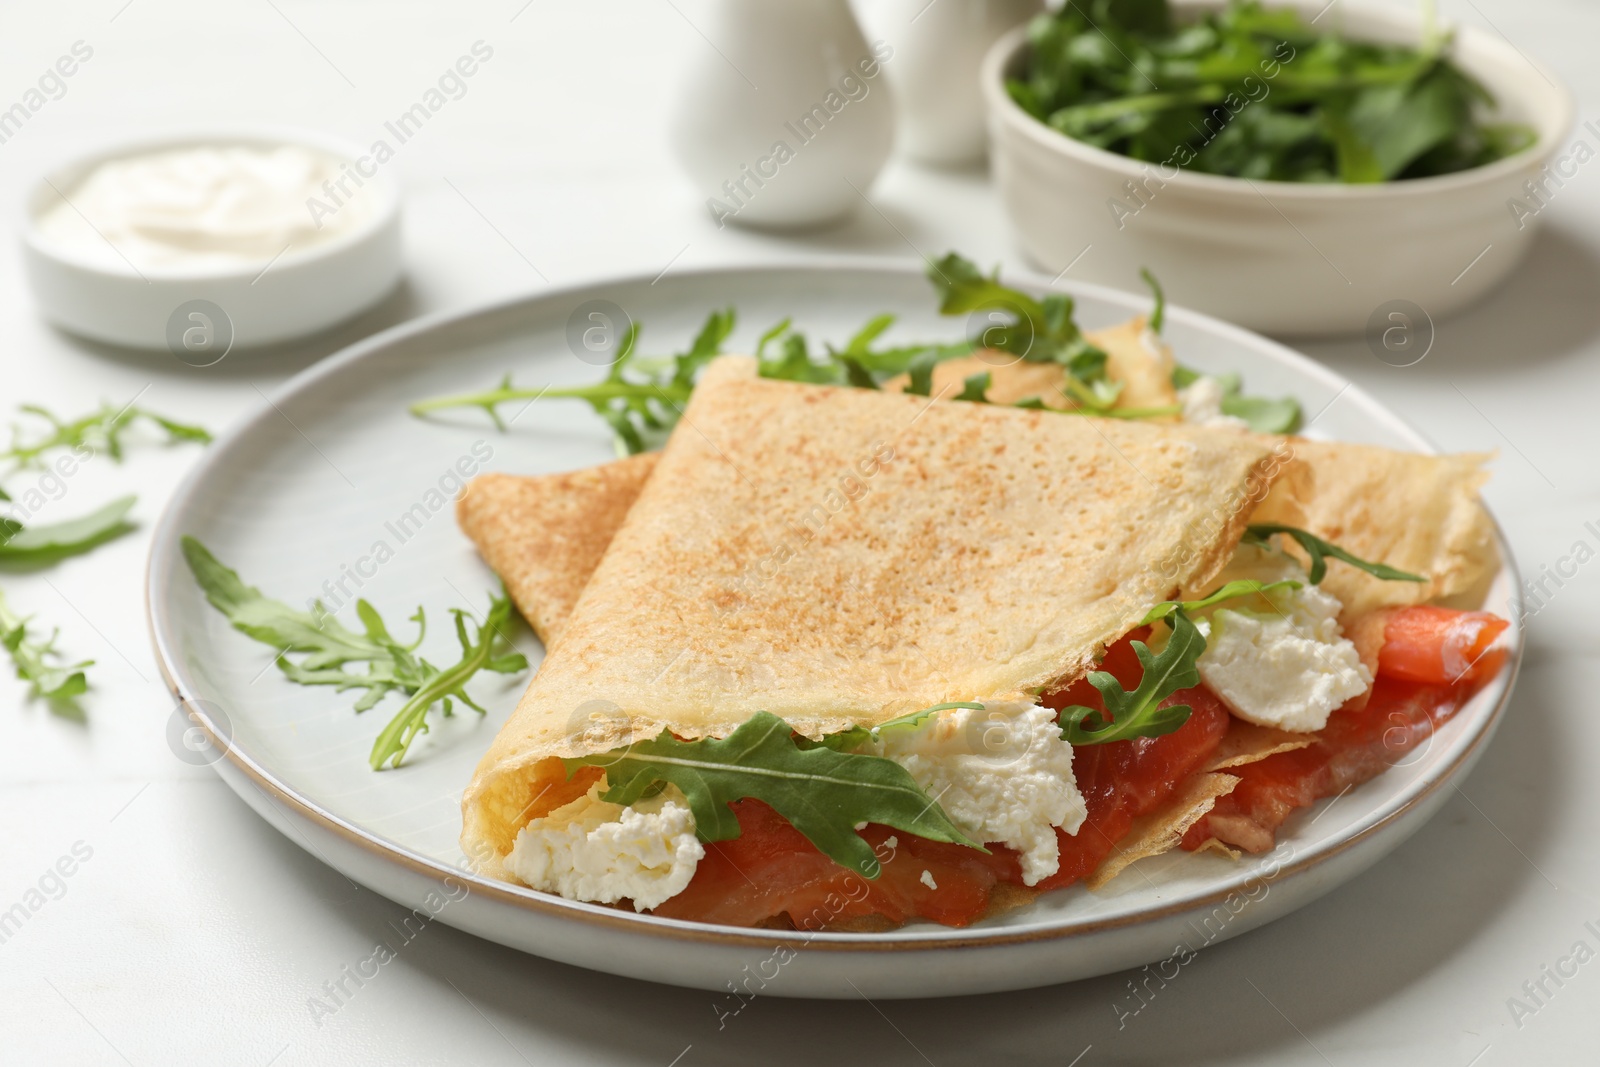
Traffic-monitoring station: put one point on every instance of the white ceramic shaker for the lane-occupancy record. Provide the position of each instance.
(786, 120)
(939, 46)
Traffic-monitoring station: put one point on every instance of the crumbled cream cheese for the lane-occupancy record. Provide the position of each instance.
(1202, 404)
(927, 880)
(593, 850)
(1280, 659)
(1003, 774)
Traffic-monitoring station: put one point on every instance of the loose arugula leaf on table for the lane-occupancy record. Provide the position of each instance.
(1139, 714)
(331, 651)
(1255, 93)
(1229, 591)
(50, 541)
(823, 793)
(37, 662)
(99, 431)
(1318, 549)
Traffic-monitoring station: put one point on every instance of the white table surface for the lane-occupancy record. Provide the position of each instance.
(194, 933)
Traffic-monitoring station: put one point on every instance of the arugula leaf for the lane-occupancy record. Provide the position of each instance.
(1037, 330)
(100, 431)
(484, 650)
(823, 793)
(639, 398)
(884, 363)
(856, 736)
(330, 647)
(1318, 549)
(37, 662)
(1158, 314)
(975, 387)
(1261, 414)
(51, 541)
(1254, 93)
(921, 374)
(1237, 588)
(1139, 714)
(330, 650)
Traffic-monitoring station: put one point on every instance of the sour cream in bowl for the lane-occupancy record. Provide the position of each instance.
(203, 242)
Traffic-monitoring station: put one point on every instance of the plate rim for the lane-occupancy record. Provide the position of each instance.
(159, 617)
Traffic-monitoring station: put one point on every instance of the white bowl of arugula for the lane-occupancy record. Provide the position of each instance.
(1306, 168)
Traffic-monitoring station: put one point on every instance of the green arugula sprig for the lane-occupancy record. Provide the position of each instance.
(1261, 414)
(37, 662)
(1228, 591)
(642, 398)
(48, 542)
(330, 651)
(1037, 330)
(823, 792)
(639, 398)
(1320, 551)
(1255, 93)
(1139, 713)
(100, 431)
(853, 738)
(1158, 312)
(484, 649)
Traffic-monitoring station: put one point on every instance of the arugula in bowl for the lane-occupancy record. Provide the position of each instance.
(1252, 92)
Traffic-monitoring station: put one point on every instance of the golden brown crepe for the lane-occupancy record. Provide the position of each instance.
(840, 556)
(1416, 512)
(544, 536)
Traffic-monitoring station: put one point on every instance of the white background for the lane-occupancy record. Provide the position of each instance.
(195, 933)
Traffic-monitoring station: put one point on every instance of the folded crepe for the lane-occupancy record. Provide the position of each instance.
(839, 556)
(1417, 512)
(545, 536)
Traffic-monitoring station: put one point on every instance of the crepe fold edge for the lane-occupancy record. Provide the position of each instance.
(923, 548)
(1418, 512)
(545, 536)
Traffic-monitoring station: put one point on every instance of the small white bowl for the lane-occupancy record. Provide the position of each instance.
(1282, 257)
(299, 294)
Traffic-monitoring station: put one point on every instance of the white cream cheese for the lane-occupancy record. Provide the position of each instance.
(592, 850)
(203, 207)
(1280, 659)
(1202, 404)
(1003, 775)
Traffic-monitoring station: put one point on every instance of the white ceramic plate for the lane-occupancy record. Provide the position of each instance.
(300, 493)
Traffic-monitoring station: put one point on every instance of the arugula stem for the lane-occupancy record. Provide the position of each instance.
(411, 720)
(597, 391)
